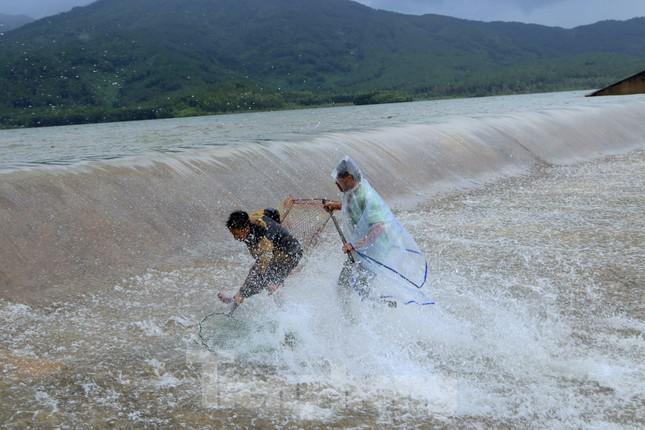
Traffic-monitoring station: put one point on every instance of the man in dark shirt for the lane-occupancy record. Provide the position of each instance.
(275, 251)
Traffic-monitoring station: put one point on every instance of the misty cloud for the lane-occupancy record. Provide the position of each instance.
(428, 6)
(564, 13)
(39, 8)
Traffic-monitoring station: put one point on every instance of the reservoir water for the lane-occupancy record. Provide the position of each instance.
(529, 210)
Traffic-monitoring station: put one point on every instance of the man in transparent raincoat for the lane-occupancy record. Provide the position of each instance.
(388, 263)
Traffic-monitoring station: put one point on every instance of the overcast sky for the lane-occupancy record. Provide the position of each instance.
(564, 13)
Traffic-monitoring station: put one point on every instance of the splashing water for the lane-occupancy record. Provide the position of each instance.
(539, 322)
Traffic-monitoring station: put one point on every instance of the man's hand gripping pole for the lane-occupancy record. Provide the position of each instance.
(340, 233)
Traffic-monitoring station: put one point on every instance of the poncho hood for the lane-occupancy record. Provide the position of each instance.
(347, 165)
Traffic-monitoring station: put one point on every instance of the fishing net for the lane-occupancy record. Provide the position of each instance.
(305, 219)
(219, 331)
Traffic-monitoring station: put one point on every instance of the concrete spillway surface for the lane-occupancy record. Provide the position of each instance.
(532, 223)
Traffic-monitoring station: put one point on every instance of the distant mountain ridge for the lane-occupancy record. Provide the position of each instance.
(11, 22)
(123, 59)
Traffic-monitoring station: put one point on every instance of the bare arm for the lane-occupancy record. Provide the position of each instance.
(372, 234)
(264, 254)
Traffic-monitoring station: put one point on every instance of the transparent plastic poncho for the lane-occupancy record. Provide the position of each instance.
(381, 244)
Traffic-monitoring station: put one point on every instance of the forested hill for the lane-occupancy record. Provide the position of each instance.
(132, 59)
(9, 22)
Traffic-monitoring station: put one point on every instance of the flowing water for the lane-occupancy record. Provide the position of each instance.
(531, 219)
(25, 148)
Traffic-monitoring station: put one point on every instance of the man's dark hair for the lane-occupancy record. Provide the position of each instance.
(237, 220)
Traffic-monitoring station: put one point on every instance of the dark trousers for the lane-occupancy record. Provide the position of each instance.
(257, 279)
(355, 277)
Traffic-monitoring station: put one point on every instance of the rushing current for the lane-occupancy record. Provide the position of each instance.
(529, 210)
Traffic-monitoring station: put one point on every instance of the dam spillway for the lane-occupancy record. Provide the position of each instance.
(530, 219)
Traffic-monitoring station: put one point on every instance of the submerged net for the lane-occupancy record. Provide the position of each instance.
(305, 219)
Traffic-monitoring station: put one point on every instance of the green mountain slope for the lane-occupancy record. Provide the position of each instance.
(124, 59)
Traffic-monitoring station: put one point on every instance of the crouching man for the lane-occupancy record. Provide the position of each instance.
(275, 251)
